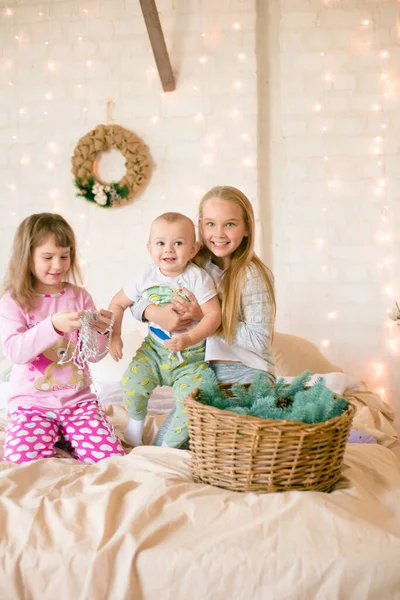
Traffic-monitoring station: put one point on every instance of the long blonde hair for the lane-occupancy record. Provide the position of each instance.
(241, 259)
(31, 233)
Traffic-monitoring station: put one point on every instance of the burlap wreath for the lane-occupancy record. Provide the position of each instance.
(101, 139)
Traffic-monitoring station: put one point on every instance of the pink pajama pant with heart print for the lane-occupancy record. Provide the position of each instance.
(32, 432)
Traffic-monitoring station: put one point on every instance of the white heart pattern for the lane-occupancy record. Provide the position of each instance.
(81, 451)
(22, 432)
(93, 423)
(39, 431)
(98, 454)
(87, 445)
(30, 425)
(39, 446)
(86, 430)
(95, 438)
(31, 454)
(102, 431)
(15, 457)
(31, 438)
(14, 442)
(78, 437)
(46, 438)
(105, 447)
(23, 447)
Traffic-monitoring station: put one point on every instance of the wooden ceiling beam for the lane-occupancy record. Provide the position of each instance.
(157, 41)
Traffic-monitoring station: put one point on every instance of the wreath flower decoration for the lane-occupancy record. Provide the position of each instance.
(137, 164)
(395, 315)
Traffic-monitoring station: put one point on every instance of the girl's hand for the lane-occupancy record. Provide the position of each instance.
(66, 321)
(167, 318)
(178, 342)
(116, 347)
(103, 321)
(190, 309)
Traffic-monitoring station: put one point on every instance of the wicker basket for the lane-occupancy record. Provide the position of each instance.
(249, 454)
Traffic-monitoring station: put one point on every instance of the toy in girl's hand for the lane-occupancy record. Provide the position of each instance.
(86, 348)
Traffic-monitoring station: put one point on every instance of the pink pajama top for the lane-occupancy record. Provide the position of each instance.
(34, 347)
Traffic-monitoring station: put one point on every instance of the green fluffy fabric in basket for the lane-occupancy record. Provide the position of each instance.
(293, 402)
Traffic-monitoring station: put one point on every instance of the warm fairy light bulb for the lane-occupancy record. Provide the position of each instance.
(8, 12)
(199, 117)
(378, 139)
(326, 158)
(324, 128)
(238, 84)
(381, 391)
(51, 65)
(244, 137)
(236, 26)
(328, 77)
(379, 369)
(195, 88)
(12, 187)
(25, 160)
(381, 183)
(10, 83)
(155, 119)
(241, 56)
(49, 164)
(80, 38)
(203, 59)
(89, 63)
(85, 10)
(49, 96)
(369, 43)
(384, 54)
(365, 22)
(322, 53)
(319, 242)
(207, 159)
(378, 191)
(385, 75)
(318, 107)
(82, 216)
(389, 290)
(330, 184)
(332, 315)
(248, 161)
(323, 268)
(376, 107)
(325, 343)
(203, 34)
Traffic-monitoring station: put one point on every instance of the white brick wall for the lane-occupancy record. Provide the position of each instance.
(293, 183)
(348, 274)
(190, 154)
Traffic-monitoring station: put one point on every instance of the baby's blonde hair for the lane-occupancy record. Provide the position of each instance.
(31, 233)
(174, 217)
(241, 259)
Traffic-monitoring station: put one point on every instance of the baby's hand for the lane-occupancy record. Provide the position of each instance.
(103, 321)
(66, 321)
(178, 342)
(116, 347)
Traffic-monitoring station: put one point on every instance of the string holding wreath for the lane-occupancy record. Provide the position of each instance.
(137, 164)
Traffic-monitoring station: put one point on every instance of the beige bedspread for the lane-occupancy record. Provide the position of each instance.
(137, 527)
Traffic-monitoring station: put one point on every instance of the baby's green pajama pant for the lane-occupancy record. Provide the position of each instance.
(155, 365)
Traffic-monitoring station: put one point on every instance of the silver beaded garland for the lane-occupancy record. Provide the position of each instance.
(86, 347)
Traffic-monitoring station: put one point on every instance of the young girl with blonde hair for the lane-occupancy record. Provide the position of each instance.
(242, 345)
(40, 313)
